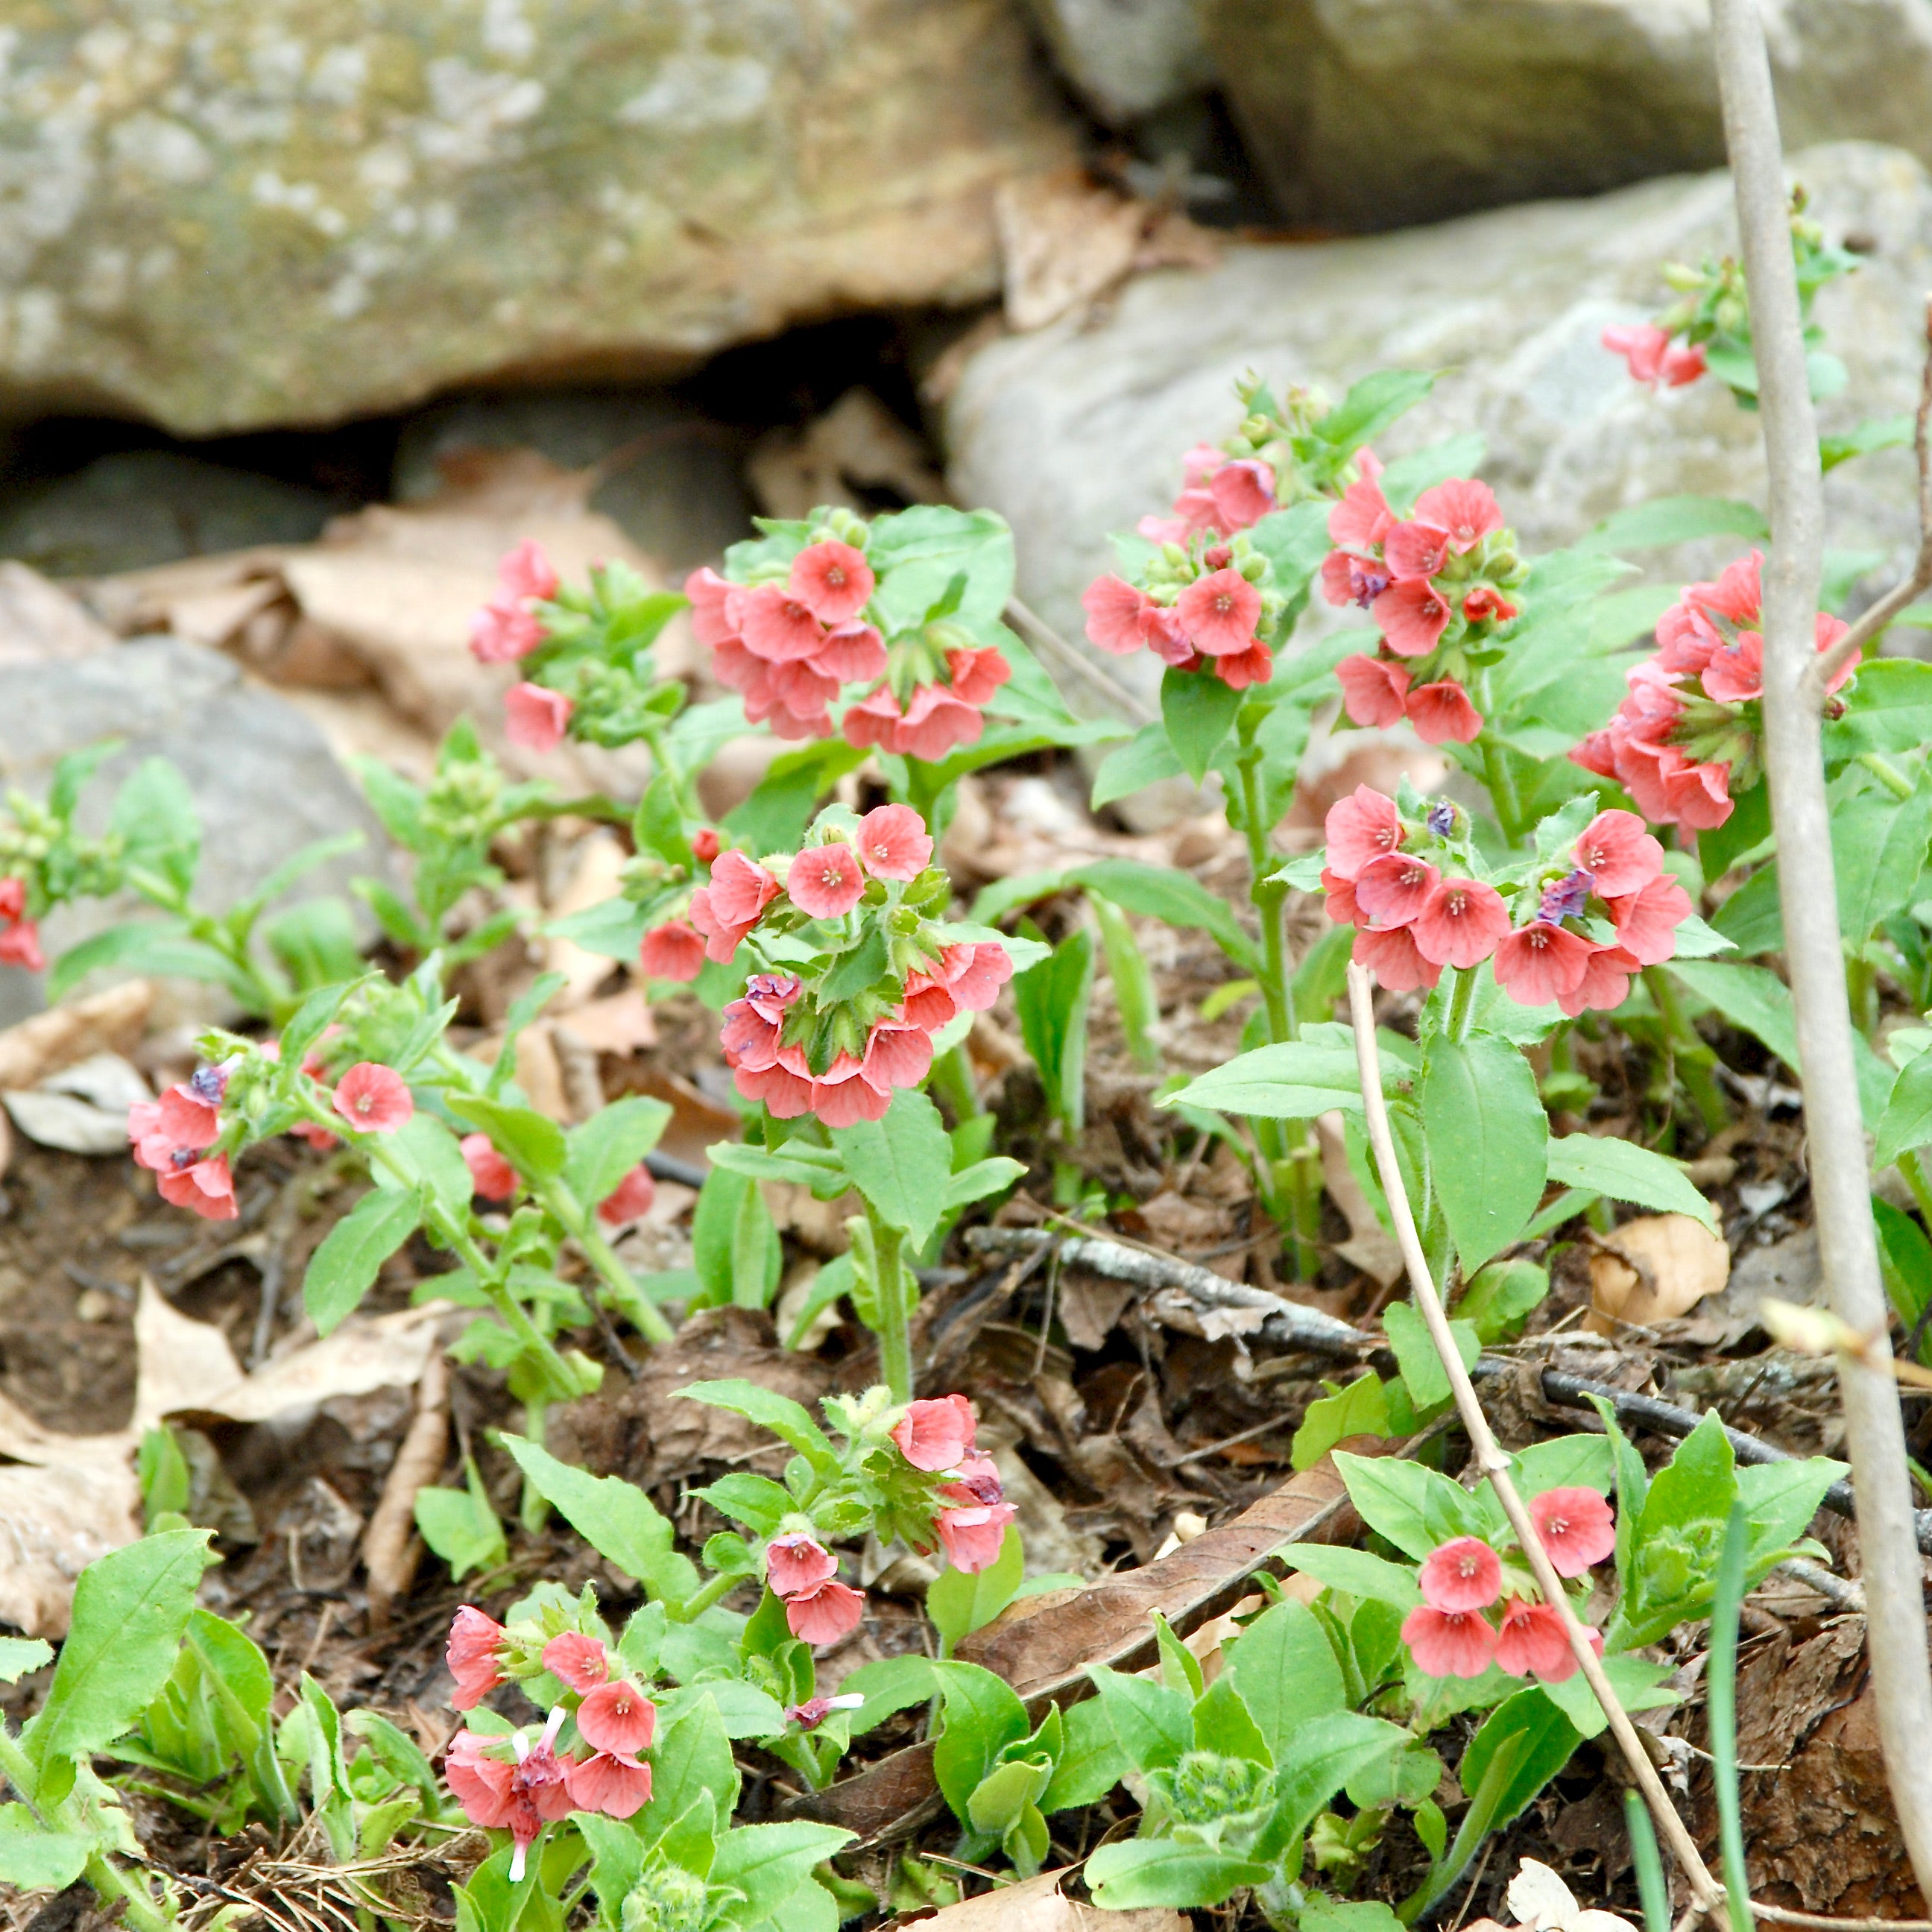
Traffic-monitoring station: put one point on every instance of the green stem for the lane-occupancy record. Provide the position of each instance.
(533, 1507)
(643, 1314)
(19, 1769)
(1695, 1062)
(888, 1293)
(952, 1081)
(1462, 1003)
(1649, 1862)
(654, 736)
(695, 1605)
(1887, 774)
(1500, 782)
(1476, 1821)
(1721, 1709)
(110, 1882)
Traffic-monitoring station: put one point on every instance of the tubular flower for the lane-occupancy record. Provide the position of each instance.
(578, 1660)
(1463, 1574)
(617, 1717)
(1532, 1642)
(373, 1097)
(935, 1434)
(798, 1561)
(630, 1200)
(1685, 739)
(824, 1613)
(1576, 1527)
(1450, 1643)
(19, 937)
(473, 1652)
(974, 1536)
(674, 950)
(506, 628)
(491, 1174)
(534, 717)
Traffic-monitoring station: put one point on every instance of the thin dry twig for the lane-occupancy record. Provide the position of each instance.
(1110, 689)
(1826, 665)
(1814, 950)
(1489, 1459)
(390, 1552)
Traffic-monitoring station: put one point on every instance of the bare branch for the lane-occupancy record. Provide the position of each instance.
(1110, 690)
(1706, 1892)
(1814, 954)
(1827, 664)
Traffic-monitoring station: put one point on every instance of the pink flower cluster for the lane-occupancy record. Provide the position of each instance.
(1684, 734)
(494, 1179)
(937, 1437)
(519, 1785)
(171, 1137)
(1417, 577)
(19, 937)
(1213, 621)
(1412, 922)
(818, 1609)
(1448, 1634)
(506, 628)
(1654, 356)
(1219, 495)
(789, 650)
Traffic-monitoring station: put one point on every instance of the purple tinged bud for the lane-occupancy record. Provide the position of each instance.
(209, 1084)
(1565, 898)
(1442, 819)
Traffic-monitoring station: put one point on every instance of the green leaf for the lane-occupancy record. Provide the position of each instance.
(608, 1145)
(615, 1518)
(1223, 1724)
(1320, 1913)
(153, 812)
(1577, 1461)
(982, 1717)
(1486, 1134)
(1637, 1681)
(1091, 1763)
(891, 1683)
(429, 1153)
(158, 948)
(1370, 405)
(1198, 711)
(1878, 853)
(532, 1143)
(760, 1503)
(1698, 1484)
(1359, 1409)
(1888, 709)
(1905, 1259)
(36, 1859)
(691, 1763)
(1141, 1872)
(1415, 1508)
(1148, 758)
(1675, 520)
(1373, 1578)
(1907, 1120)
(786, 1419)
(734, 1242)
(768, 1863)
(1422, 1373)
(1875, 433)
(461, 1526)
(343, 1268)
(1154, 1725)
(1162, 892)
(1296, 1081)
(1324, 1754)
(1780, 1498)
(1502, 1294)
(1285, 1669)
(958, 1601)
(1625, 1171)
(1408, 476)
(901, 1164)
(984, 1177)
(1541, 1738)
(782, 805)
(130, 1608)
(315, 941)
(20, 1654)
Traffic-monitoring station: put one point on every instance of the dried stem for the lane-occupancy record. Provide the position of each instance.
(1706, 1892)
(1814, 954)
(389, 1551)
(1826, 665)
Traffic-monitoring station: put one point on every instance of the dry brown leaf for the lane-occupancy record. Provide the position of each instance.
(1370, 1247)
(39, 621)
(618, 1023)
(77, 1497)
(107, 1022)
(858, 445)
(596, 876)
(1653, 1269)
(1063, 242)
(1039, 1905)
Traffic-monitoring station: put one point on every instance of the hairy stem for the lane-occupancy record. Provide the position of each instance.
(1814, 950)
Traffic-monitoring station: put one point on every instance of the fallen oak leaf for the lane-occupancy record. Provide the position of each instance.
(1653, 1269)
(1039, 1905)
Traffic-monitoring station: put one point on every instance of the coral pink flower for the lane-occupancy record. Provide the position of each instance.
(1242, 493)
(785, 1094)
(480, 1782)
(1698, 795)
(977, 1480)
(538, 1790)
(373, 1097)
(1683, 362)
(1685, 640)
(974, 1537)
(616, 1717)
(1414, 550)
(1538, 963)
(1464, 1574)
(1619, 855)
(674, 950)
(977, 675)
(975, 973)
(1735, 675)
(1484, 604)
(1647, 920)
(721, 938)
(617, 1786)
(936, 722)
(1412, 616)
(796, 1562)
(472, 1656)
(1348, 579)
(1605, 983)
(740, 889)
(826, 881)
(1461, 923)
(1361, 519)
(935, 1434)
(705, 844)
(824, 1613)
(842, 1095)
(1373, 689)
(12, 899)
(893, 842)
(630, 1199)
(896, 1056)
(1442, 714)
(534, 717)
(1395, 959)
(501, 633)
(205, 1185)
(777, 627)
(187, 1119)
(1449, 1643)
(832, 580)
(527, 572)
(1393, 889)
(1466, 510)
(491, 1174)
(1239, 669)
(1114, 607)
(803, 690)
(1641, 345)
(710, 598)
(1576, 1527)
(1828, 630)
(1532, 1642)
(20, 945)
(1360, 828)
(852, 654)
(578, 1660)
(1340, 895)
(1219, 612)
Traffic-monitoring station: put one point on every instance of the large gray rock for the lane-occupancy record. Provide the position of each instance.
(1127, 58)
(265, 782)
(223, 216)
(1375, 114)
(1079, 429)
